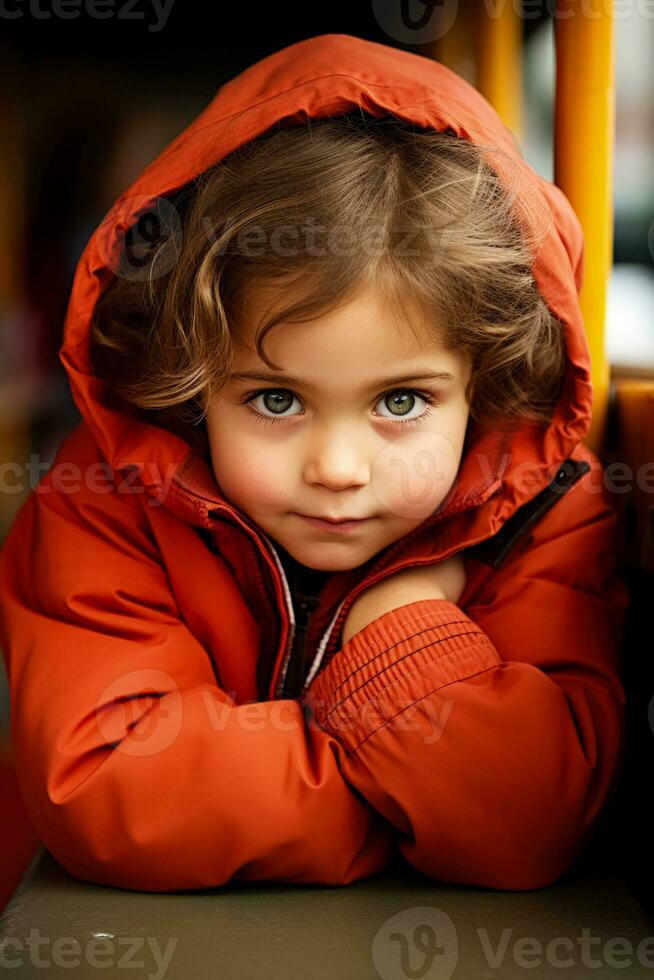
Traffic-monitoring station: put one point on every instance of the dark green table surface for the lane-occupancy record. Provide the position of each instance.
(394, 926)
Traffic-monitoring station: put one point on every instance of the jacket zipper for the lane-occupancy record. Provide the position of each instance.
(291, 617)
(279, 689)
(262, 575)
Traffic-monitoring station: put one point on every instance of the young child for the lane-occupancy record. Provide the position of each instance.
(340, 295)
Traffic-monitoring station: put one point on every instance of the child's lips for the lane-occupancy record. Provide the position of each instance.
(335, 527)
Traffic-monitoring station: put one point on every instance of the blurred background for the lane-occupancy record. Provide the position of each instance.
(91, 94)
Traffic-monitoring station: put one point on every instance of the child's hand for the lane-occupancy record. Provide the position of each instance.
(442, 580)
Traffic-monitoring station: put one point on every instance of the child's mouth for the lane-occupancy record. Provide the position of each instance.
(333, 527)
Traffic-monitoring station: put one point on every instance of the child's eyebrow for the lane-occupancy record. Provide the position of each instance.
(286, 379)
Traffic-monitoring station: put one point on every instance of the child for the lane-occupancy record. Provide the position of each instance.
(207, 684)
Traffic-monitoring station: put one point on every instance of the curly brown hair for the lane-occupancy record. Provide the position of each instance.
(428, 220)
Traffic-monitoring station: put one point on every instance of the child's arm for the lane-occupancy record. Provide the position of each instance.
(442, 580)
(137, 769)
(492, 740)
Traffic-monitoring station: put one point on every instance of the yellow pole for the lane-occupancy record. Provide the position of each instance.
(584, 123)
(498, 45)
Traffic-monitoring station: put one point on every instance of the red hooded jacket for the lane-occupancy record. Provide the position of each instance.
(147, 623)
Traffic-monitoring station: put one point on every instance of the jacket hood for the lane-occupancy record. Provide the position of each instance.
(325, 75)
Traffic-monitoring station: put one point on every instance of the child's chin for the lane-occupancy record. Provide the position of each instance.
(331, 562)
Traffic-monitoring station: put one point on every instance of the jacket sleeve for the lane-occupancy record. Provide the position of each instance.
(492, 738)
(137, 770)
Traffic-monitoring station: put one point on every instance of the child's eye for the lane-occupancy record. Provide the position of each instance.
(279, 399)
(400, 398)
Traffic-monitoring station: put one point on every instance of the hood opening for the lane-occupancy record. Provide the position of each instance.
(327, 76)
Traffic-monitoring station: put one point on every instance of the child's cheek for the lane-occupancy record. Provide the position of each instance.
(253, 480)
(413, 474)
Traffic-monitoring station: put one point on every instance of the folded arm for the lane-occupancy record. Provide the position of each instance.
(491, 738)
(137, 769)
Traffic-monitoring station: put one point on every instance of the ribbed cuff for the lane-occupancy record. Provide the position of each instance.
(393, 662)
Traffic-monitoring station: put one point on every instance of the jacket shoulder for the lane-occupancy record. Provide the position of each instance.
(80, 479)
(576, 494)
(81, 512)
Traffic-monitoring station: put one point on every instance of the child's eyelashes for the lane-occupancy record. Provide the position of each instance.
(287, 397)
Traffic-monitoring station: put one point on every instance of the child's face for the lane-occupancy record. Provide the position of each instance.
(337, 446)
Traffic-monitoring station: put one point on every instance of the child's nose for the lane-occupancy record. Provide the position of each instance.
(338, 461)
